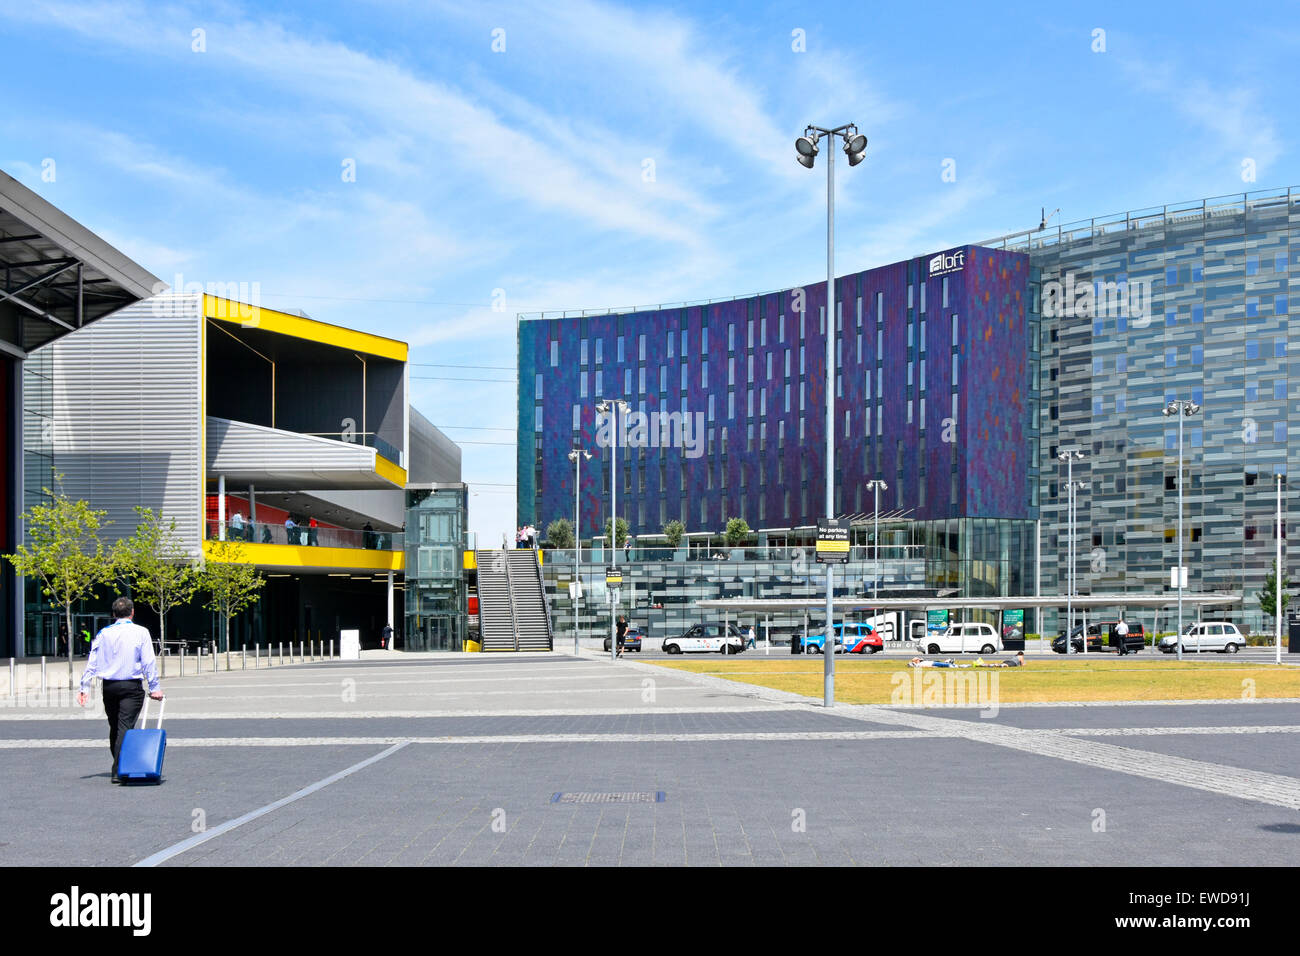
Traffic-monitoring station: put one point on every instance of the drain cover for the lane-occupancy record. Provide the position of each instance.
(643, 796)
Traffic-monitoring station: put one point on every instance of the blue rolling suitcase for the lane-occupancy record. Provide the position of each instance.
(141, 758)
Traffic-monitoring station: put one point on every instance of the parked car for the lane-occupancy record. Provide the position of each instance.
(957, 638)
(701, 638)
(850, 638)
(631, 640)
(1221, 636)
(1102, 637)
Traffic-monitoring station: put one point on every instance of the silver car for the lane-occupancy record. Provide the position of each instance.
(1221, 636)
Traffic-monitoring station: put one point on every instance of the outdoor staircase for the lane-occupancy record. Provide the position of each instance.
(513, 615)
(496, 613)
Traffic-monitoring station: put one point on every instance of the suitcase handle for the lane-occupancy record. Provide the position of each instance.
(144, 711)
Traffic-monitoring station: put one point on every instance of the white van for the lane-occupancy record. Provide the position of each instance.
(1221, 636)
(960, 638)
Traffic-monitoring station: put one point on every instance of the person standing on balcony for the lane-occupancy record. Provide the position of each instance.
(290, 530)
(368, 536)
(237, 526)
(311, 531)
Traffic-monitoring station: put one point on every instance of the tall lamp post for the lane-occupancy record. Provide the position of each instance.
(1070, 457)
(877, 486)
(1182, 408)
(616, 409)
(576, 456)
(855, 146)
(1277, 572)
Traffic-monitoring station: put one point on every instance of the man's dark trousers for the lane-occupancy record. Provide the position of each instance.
(122, 702)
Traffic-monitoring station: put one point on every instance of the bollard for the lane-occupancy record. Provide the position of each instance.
(257, 655)
(243, 664)
(182, 660)
(331, 647)
(12, 690)
(42, 675)
(282, 652)
(300, 657)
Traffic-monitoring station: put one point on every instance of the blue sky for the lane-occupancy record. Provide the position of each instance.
(524, 170)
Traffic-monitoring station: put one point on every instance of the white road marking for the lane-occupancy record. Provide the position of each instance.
(162, 856)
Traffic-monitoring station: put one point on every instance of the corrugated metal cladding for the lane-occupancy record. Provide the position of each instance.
(127, 414)
(272, 458)
(433, 457)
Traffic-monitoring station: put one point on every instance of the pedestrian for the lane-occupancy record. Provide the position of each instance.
(627, 549)
(1121, 636)
(237, 526)
(85, 642)
(63, 639)
(368, 535)
(290, 530)
(386, 637)
(121, 656)
(519, 537)
(621, 633)
(1018, 660)
(751, 638)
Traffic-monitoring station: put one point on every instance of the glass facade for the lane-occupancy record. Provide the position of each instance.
(435, 587)
(961, 377)
(1187, 302)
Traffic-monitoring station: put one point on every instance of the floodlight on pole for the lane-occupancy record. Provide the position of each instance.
(1182, 408)
(806, 147)
(577, 456)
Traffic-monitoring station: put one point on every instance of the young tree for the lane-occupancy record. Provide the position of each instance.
(1268, 597)
(66, 555)
(156, 563)
(559, 533)
(673, 531)
(231, 585)
(737, 531)
(620, 532)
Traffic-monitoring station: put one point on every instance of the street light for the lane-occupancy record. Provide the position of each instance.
(1277, 572)
(615, 409)
(577, 456)
(855, 145)
(1070, 457)
(877, 485)
(1181, 408)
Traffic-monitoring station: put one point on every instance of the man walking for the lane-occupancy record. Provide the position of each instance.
(1121, 636)
(121, 656)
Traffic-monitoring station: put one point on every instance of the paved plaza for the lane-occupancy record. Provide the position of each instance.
(551, 759)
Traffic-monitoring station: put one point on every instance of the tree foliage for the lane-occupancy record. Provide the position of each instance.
(1268, 596)
(673, 531)
(737, 531)
(155, 561)
(232, 585)
(559, 533)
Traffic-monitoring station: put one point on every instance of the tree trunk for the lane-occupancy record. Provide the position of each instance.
(67, 614)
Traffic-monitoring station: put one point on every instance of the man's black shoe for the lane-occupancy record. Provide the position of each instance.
(113, 778)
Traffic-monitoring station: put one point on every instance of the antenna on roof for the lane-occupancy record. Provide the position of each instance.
(1042, 224)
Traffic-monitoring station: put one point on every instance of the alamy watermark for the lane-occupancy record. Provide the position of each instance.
(1085, 299)
(684, 430)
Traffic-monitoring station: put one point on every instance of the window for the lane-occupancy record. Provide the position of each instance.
(582, 385)
(577, 417)
(1252, 350)
(704, 340)
(1252, 306)
(945, 292)
(954, 329)
(582, 352)
(1198, 354)
(1171, 358)
(537, 388)
(555, 354)
(671, 336)
(704, 374)
(537, 419)
(600, 351)
(1279, 389)
(1252, 265)
(1279, 348)
(1280, 305)
(620, 348)
(1279, 432)
(641, 346)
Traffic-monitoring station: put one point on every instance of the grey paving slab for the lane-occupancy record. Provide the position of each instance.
(1229, 714)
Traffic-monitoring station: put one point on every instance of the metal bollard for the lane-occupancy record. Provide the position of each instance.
(243, 664)
(300, 657)
(257, 655)
(182, 660)
(42, 675)
(282, 652)
(13, 691)
(331, 647)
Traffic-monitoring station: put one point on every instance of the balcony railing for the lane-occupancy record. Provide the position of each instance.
(857, 552)
(262, 532)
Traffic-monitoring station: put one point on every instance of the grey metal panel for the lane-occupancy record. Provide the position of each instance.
(275, 459)
(126, 414)
(433, 456)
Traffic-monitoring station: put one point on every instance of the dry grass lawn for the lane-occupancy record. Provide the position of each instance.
(879, 682)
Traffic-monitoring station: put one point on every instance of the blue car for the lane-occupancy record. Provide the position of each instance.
(851, 638)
